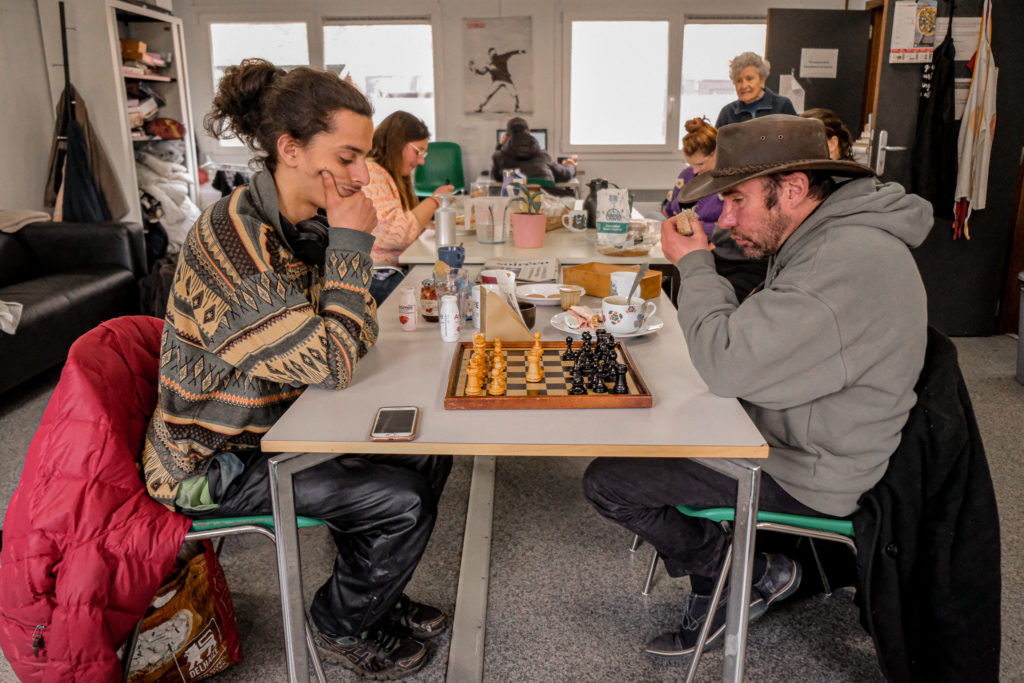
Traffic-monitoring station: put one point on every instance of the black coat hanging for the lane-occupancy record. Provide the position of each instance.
(82, 202)
(934, 154)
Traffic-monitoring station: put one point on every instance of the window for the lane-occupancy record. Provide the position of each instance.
(393, 79)
(707, 49)
(283, 44)
(619, 83)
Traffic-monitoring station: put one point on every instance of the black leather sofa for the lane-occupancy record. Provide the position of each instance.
(69, 277)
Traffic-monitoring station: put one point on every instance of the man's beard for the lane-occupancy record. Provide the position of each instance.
(774, 229)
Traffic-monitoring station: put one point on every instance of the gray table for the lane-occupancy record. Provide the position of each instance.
(410, 368)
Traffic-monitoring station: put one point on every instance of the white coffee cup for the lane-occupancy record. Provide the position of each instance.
(621, 281)
(575, 220)
(622, 317)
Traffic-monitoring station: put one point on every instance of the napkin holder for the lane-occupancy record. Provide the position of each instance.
(497, 319)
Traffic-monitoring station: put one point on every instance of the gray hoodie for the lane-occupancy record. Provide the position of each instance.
(825, 357)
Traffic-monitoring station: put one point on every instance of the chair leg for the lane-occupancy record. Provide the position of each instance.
(318, 666)
(636, 543)
(821, 569)
(650, 574)
(723, 576)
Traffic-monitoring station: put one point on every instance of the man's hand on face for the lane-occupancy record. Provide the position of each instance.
(676, 245)
(354, 211)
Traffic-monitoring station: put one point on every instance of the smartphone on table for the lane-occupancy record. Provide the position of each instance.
(395, 423)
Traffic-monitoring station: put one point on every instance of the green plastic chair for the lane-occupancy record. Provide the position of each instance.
(443, 162)
(219, 528)
(826, 528)
(543, 182)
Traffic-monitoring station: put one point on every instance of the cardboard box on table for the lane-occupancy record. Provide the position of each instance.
(595, 278)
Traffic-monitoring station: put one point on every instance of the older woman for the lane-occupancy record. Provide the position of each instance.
(840, 142)
(399, 146)
(748, 73)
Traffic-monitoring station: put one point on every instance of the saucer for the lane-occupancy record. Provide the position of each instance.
(652, 324)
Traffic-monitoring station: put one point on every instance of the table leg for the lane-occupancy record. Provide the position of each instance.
(289, 568)
(748, 487)
(466, 653)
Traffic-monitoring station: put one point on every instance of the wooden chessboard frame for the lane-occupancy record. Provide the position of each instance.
(453, 401)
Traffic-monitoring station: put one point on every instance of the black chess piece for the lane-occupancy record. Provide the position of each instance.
(586, 337)
(569, 353)
(620, 382)
(597, 385)
(577, 383)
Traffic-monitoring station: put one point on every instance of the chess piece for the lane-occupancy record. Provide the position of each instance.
(586, 337)
(474, 387)
(497, 350)
(597, 385)
(497, 385)
(620, 382)
(577, 383)
(569, 353)
(533, 370)
(536, 348)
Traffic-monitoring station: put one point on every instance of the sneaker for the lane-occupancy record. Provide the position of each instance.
(381, 655)
(781, 578)
(418, 620)
(684, 641)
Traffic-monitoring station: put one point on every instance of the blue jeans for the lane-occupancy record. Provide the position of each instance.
(381, 287)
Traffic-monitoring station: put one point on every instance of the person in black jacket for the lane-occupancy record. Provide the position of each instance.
(519, 149)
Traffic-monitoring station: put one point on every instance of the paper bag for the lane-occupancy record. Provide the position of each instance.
(497, 319)
(612, 218)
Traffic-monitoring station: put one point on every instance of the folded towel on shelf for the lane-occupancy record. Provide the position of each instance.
(12, 220)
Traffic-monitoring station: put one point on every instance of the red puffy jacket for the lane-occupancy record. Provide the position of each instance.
(84, 547)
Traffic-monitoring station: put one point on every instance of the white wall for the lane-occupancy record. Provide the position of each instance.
(475, 133)
(26, 115)
(30, 52)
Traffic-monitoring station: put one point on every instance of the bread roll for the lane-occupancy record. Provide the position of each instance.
(683, 222)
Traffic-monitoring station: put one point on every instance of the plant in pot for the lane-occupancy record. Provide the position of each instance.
(528, 222)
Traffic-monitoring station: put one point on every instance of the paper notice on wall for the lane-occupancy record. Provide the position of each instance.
(913, 32)
(791, 88)
(961, 88)
(818, 63)
(965, 35)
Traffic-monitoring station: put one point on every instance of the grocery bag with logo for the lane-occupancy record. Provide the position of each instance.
(612, 218)
(189, 632)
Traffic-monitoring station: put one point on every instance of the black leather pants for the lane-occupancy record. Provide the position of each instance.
(380, 510)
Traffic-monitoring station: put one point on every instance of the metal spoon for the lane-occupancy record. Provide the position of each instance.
(641, 271)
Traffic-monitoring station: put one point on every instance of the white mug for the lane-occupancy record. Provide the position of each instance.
(477, 293)
(575, 220)
(621, 281)
(621, 317)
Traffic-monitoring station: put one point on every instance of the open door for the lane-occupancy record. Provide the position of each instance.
(792, 32)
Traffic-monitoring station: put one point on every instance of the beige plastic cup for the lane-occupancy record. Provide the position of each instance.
(569, 297)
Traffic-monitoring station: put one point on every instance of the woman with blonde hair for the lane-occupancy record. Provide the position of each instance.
(748, 72)
(399, 146)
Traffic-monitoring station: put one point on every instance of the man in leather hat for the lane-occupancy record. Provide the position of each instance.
(823, 357)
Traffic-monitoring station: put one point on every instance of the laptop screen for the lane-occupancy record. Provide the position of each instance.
(539, 134)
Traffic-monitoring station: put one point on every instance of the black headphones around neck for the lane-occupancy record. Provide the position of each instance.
(309, 240)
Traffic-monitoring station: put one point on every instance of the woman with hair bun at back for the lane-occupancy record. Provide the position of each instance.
(840, 142)
(700, 145)
(269, 297)
(399, 146)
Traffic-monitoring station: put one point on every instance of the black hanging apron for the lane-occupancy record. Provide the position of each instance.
(934, 154)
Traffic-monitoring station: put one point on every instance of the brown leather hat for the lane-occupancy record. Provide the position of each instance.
(778, 143)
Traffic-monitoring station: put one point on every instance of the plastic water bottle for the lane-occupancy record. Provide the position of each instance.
(450, 319)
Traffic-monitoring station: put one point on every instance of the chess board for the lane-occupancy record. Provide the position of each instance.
(551, 392)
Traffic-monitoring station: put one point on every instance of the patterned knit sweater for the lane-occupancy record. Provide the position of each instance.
(248, 327)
